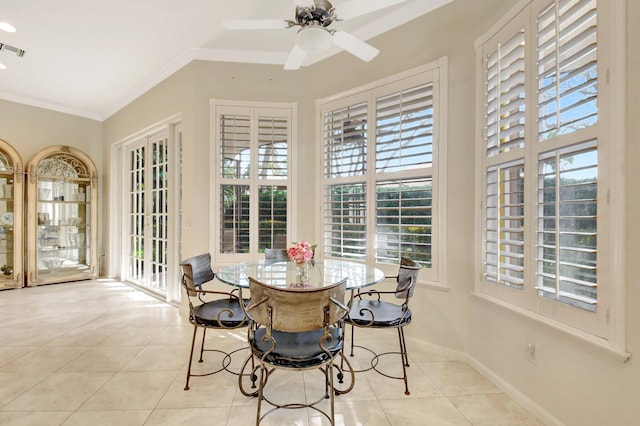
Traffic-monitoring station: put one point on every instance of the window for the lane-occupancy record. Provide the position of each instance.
(544, 181)
(380, 175)
(252, 149)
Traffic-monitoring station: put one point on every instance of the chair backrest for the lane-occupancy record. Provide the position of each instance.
(275, 254)
(196, 271)
(407, 277)
(296, 310)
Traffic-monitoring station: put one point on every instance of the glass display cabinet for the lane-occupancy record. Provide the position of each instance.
(62, 190)
(11, 214)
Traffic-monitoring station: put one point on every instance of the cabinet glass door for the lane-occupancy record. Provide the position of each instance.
(64, 224)
(11, 210)
(61, 216)
(6, 225)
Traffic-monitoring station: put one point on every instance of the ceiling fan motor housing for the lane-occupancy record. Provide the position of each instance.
(322, 14)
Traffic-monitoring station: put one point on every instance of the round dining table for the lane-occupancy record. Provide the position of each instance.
(288, 274)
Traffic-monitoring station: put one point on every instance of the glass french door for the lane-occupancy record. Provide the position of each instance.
(147, 217)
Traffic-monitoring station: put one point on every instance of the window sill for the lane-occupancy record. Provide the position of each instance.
(578, 335)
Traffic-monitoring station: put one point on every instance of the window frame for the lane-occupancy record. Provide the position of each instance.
(254, 110)
(606, 328)
(435, 73)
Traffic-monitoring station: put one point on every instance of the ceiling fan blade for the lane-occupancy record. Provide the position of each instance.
(296, 58)
(255, 24)
(355, 46)
(355, 8)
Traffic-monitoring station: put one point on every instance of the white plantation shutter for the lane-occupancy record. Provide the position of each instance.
(505, 96)
(404, 220)
(345, 204)
(504, 225)
(404, 143)
(272, 216)
(567, 220)
(546, 208)
(235, 135)
(273, 164)
(404, 129)
(380, 183)
(567, 67)
(504, 197)
(345, 213)
(234, 216)
(253, 145)
(345, 141)
(567, 225)
(273, 153)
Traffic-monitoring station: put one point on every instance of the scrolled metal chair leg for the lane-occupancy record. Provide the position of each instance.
(344, 362)
(193, 342)
(253, 377)
(405, 360)
(263, 380)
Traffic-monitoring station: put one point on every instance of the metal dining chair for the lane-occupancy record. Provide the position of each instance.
(296, 330)
(275, 254)
(369, 309)
(207, 309)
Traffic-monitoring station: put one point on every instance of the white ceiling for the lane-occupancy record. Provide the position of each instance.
(92, 57)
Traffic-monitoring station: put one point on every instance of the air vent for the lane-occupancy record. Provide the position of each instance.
(5, 47)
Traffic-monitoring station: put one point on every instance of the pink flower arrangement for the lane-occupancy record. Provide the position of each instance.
(301, 252)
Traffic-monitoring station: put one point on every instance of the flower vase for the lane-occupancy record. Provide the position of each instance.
(302, 272)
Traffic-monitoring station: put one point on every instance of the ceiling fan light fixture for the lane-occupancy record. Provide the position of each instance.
(313, 39)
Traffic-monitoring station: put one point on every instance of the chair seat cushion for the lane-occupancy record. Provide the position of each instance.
(220, 313)
(297, 350)
(385, 314)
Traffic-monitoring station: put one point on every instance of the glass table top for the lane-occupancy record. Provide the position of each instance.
(287, 274)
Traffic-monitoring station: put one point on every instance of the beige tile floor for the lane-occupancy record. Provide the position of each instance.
(102, 353)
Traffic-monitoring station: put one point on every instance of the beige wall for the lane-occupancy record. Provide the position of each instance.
(30, 129)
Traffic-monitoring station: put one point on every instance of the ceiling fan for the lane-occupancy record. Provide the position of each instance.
(313, 17)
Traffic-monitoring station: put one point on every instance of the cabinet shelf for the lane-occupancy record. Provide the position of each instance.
(59, 248)
(62, 201)
(57, 227)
